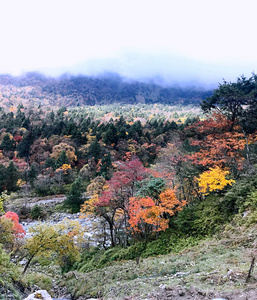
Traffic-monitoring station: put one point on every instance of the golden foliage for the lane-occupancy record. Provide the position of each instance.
(59, 238)
(213, 180)
(64, 168)
(20, 182)
(70, 151)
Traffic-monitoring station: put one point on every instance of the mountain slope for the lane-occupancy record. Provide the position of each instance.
(84, 90)
(217, 267)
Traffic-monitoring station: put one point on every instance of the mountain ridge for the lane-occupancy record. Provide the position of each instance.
(70, 90)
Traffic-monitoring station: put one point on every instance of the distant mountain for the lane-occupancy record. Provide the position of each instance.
(81, 90)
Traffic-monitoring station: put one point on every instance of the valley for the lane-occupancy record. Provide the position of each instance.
(136, 199)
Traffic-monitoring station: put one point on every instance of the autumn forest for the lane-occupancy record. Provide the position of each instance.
(155, 170)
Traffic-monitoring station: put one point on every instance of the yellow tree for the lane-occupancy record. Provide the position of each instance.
(6, 233)
(47, 239)
(64, 168)
(69, 150)
(213, 180)
(95, 188)
(3, 197)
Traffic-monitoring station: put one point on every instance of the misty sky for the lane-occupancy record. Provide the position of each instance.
(190, 41)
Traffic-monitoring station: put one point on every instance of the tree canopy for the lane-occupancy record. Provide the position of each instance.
(237, 100)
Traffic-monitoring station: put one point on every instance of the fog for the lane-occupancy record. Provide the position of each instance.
(161, 69)
(169, 42)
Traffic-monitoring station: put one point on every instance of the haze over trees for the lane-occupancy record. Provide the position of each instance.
(104, 89)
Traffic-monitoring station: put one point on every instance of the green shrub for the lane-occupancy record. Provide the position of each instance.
(166, 243)
(209, 216)
(89, 260)
(39, 279)
(184, 221)
(234, 200)
(9, 274)
(130, 253)
(250, 202)
(37, 212)
(177, 244)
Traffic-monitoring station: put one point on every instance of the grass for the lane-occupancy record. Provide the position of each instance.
(45, 282)
(220, 263)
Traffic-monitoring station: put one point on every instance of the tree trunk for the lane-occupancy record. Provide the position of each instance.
(247, 147)
(28, 263)
(112, 235)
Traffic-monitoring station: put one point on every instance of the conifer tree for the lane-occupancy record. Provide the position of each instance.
(106, 166)
(94, 151)
(7, 143)
(3, 177)
(62, 159)
(12, 178)
(75, 198)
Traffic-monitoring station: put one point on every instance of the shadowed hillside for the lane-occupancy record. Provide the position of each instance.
(84, 90)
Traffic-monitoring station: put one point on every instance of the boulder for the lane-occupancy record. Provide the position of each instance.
(39, 295)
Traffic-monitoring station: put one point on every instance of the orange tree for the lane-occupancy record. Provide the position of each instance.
(147, 215)
(219, 142)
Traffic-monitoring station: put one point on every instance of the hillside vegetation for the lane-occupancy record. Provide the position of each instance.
(70, 90)
(171, 193)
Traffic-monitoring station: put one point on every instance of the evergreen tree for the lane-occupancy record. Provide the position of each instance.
(62, 159)
(231, 97)
(75, 198)
(12, 178)
(52, 116)
(20, 116)
(9, 122)
(122, 133)
(3, 177)
(26, 123)
(24, 146)
(106, 166)
(94, 151)
(32, 174)
(49, 163)
(7, 143)
(136, 130)
(148, 137)
(110, 136)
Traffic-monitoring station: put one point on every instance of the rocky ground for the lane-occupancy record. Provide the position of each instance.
(180, 293)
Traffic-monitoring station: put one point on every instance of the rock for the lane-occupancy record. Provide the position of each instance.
(181, 274)
(23, 262)
(229, 273)
(181, 292)
(39, 295)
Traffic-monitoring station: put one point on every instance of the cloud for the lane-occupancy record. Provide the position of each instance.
(165, 68)
(200, 41)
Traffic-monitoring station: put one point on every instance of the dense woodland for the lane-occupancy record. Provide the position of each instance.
(81, 90)
(158, 178)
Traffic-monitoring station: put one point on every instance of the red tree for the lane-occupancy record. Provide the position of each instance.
(18, 230)
(113, 204)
